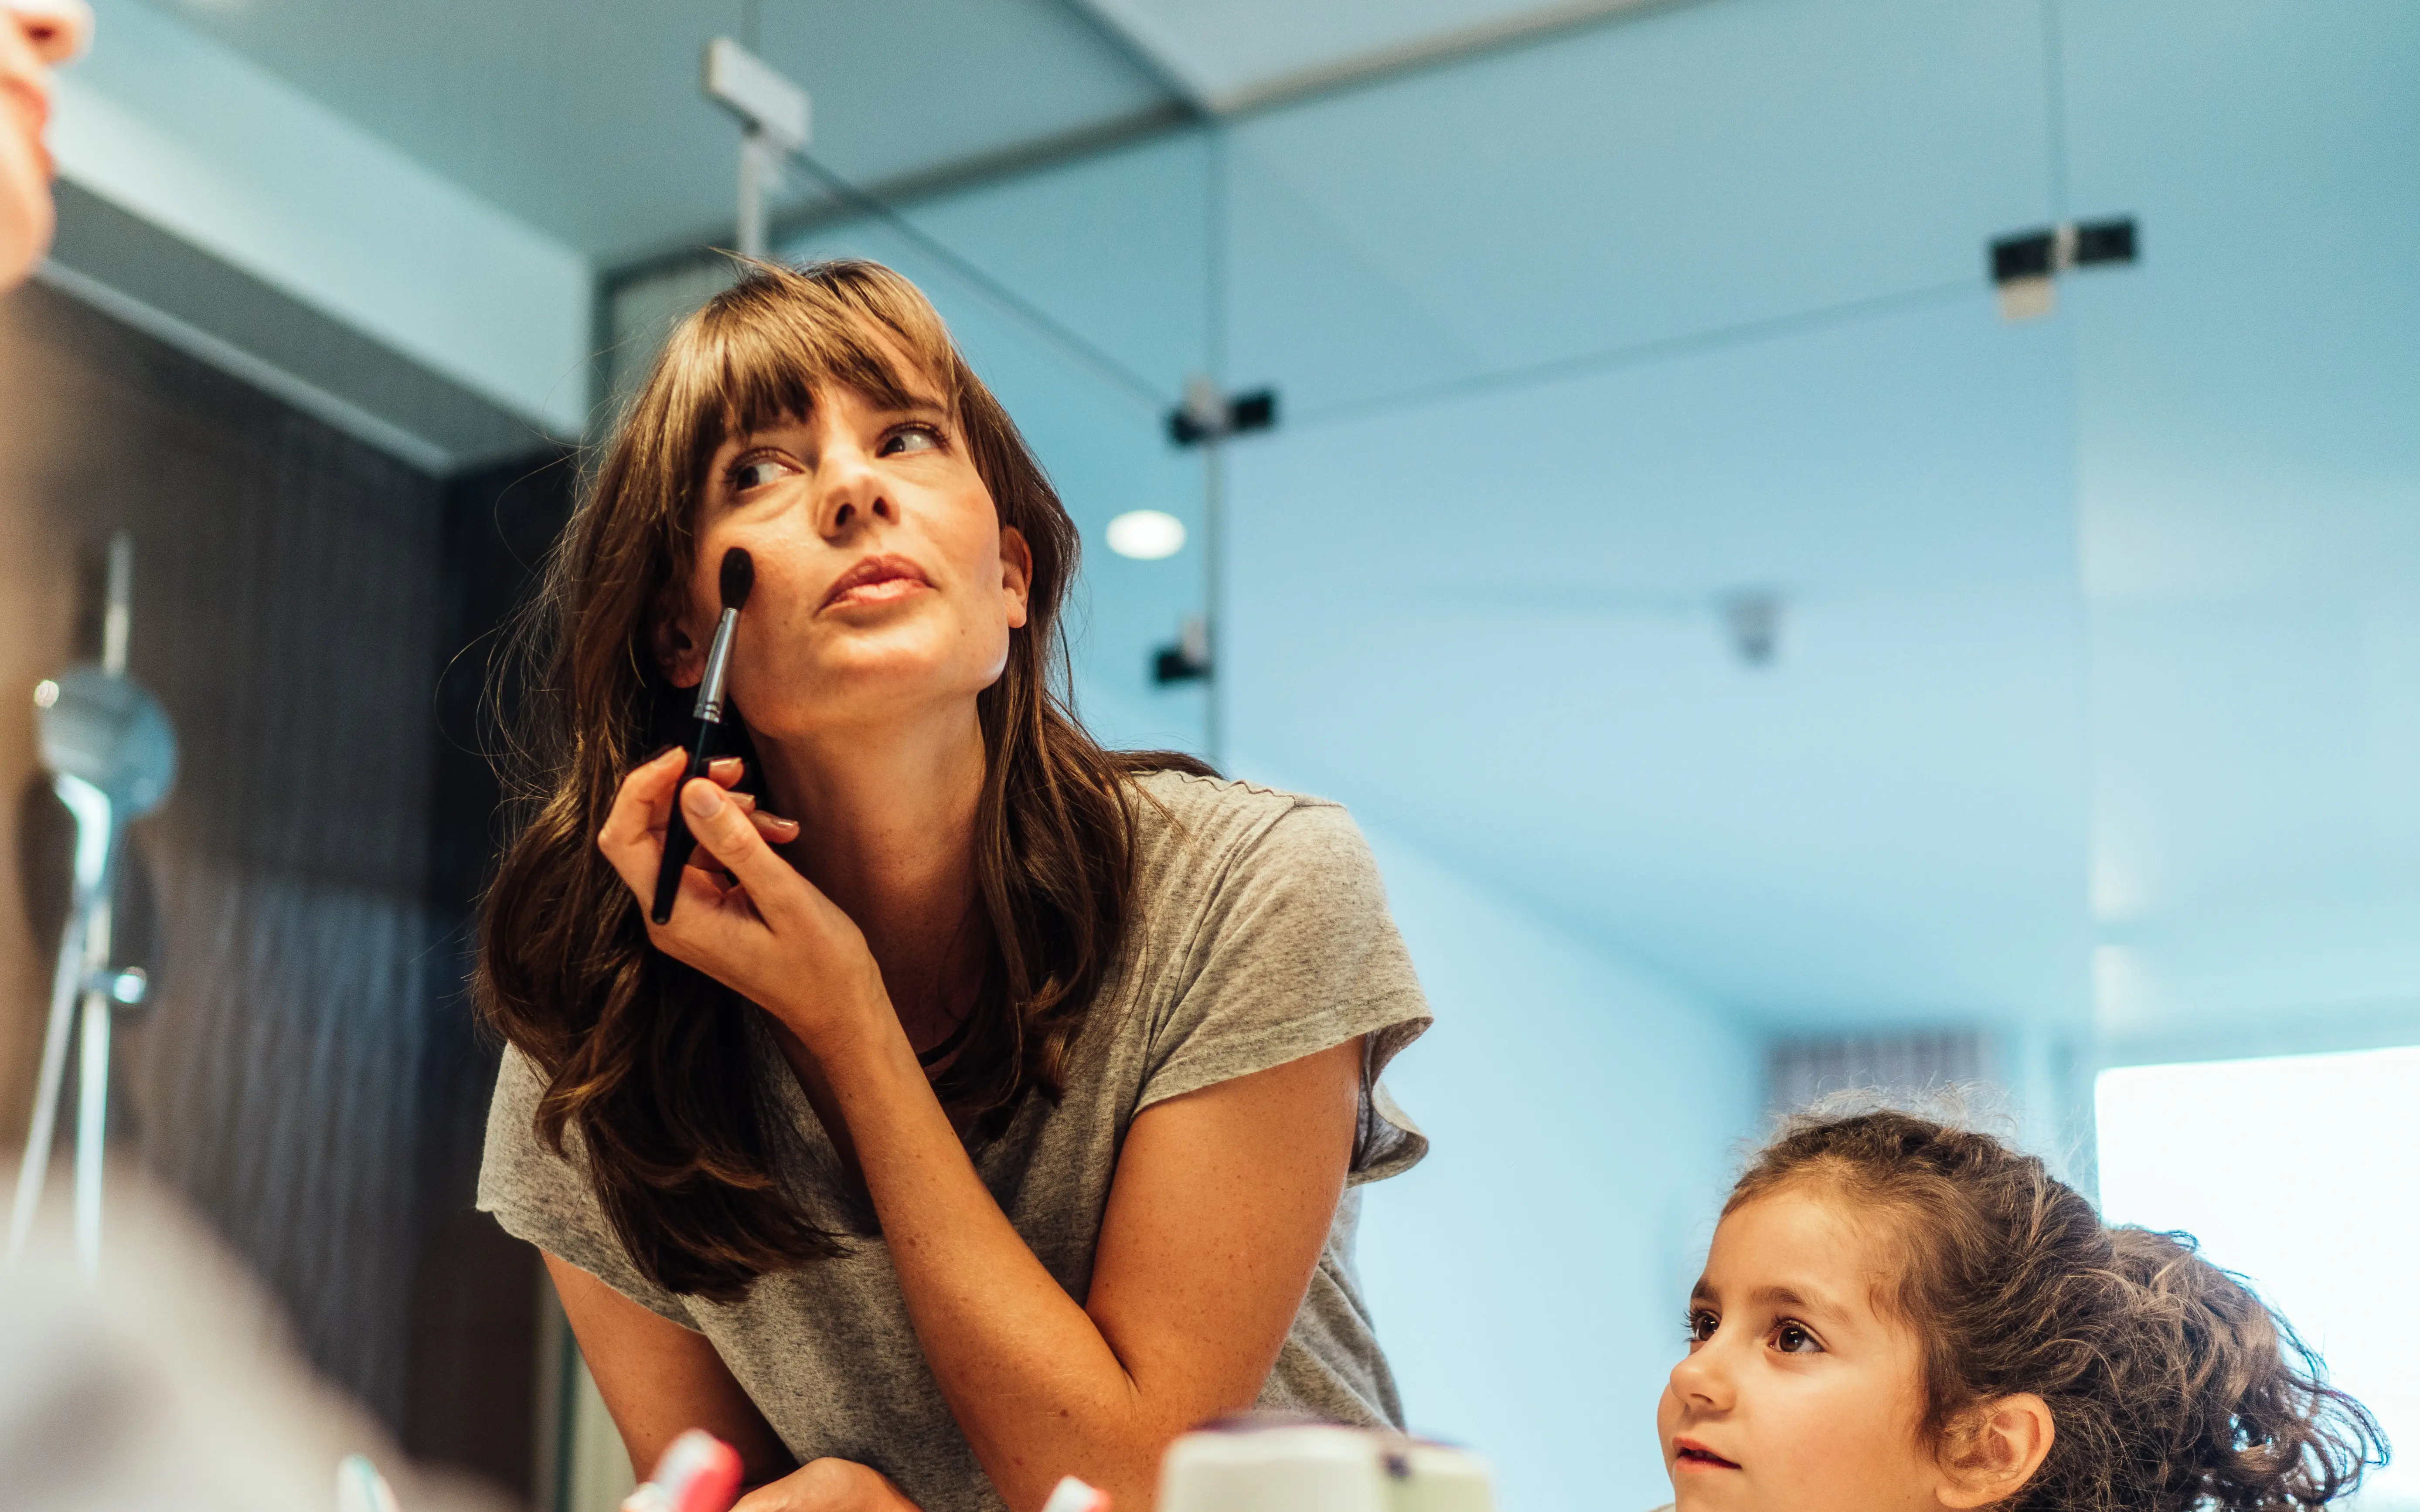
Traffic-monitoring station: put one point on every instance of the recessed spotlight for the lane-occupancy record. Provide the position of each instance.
(1146, 535)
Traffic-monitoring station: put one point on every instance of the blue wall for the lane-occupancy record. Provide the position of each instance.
(1581, 337)
(1529, 1277)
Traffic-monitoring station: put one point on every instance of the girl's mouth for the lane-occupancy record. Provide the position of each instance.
(1690, 1453)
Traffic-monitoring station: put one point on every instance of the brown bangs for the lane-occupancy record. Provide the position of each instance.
(757, 356)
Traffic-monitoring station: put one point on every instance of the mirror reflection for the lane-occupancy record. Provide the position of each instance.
(1092, 753)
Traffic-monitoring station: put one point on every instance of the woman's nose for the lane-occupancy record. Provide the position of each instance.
(853, 493)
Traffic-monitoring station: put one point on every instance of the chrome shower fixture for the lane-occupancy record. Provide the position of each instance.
(111, 756)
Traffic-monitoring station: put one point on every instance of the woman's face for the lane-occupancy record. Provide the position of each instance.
(1797, 1394)
(885, 586)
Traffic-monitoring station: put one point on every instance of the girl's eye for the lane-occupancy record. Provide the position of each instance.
(911, 438)
(754, 472)
(1790, 1338)
(1702, 1325)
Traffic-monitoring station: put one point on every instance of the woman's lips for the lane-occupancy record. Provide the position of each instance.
(877, 580)
(1689, 1454)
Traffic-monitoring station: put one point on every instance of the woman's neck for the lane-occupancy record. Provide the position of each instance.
(887, 823)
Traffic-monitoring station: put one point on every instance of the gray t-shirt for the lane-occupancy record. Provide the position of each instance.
(1260, 936)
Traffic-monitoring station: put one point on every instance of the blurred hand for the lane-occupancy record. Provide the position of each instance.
(745, 917)
(828, 1486)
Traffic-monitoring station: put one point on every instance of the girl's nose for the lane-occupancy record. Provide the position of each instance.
(1702, 1378)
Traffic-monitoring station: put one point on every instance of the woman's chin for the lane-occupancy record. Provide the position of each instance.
(872, 683)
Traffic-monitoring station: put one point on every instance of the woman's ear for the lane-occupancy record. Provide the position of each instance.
(1995, 1450)
(677, 653)
(1015, 573)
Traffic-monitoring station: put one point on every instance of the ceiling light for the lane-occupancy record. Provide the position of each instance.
(1146, 535)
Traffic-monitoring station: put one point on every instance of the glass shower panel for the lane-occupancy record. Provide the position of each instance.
(2249, 478)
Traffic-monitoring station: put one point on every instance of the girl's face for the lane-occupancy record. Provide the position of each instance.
(1797, 1393)
(885, 585)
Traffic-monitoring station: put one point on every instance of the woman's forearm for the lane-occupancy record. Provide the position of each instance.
(1035, 1385)
(1217, 1215)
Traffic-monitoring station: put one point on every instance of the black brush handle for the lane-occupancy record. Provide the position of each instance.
(679, 844)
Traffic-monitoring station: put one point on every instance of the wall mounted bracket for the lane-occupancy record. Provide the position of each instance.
(1207, 415)
(776, 118)
(1187, 659)
(2024, 267)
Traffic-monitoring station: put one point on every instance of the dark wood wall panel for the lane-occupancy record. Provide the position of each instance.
(307, 1074)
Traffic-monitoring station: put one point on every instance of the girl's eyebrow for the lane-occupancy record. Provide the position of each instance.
(1790, 1297)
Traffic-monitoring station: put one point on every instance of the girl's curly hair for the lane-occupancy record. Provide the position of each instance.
(2171, 1386)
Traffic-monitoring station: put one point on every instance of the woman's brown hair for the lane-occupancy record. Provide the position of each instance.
(647, 1061)
(2171, 1385)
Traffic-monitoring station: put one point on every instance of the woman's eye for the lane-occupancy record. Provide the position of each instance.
(754, 472)
(911, 438)
(1789, 1338)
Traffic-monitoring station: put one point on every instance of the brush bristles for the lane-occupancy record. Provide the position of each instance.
(739, 576)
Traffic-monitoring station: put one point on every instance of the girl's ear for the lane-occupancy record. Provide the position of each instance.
(678, 655)
(1995, 1450)
(1016, 574)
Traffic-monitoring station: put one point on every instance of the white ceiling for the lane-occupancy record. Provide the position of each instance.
(585, 118)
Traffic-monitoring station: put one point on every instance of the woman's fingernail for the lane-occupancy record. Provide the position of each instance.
(790, 825)
(702, 799)
(726, 764)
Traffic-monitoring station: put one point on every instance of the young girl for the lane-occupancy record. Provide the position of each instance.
(1900, 1315)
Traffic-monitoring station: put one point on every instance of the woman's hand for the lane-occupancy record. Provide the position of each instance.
(745, 917)
(727, 772)
(828, 1486)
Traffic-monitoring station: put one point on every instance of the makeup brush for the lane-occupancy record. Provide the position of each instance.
(739, 576)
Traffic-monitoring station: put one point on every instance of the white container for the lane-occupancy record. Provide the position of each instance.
(1300, 1467)
(1432, 1477)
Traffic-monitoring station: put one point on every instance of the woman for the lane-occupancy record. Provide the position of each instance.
(989, 1115)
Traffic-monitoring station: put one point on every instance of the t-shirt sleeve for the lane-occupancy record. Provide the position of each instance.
(548, 1199)
(1296, 953)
